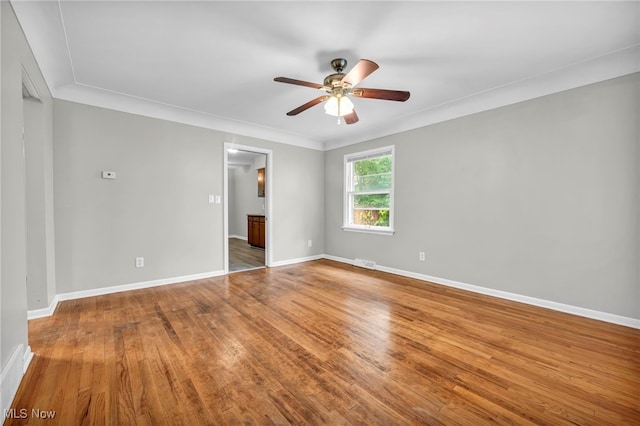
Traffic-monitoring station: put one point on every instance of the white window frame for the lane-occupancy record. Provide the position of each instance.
(348, 191)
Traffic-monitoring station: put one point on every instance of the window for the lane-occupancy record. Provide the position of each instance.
(368, 201)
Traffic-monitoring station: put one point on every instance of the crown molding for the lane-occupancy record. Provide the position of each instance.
(93, 96)
(612, 65)
(605, 67)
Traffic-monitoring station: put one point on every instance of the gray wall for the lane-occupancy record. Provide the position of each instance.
(297, 199)
(243, 199)
(298, 203)
(158, 206)
(38, 141)
(16, 55)
(539, 198)
(233, 217)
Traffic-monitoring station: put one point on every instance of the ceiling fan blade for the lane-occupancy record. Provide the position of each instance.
(388, 95)
(308, 105)
(351, 117)
(298, 82)
(363, 68)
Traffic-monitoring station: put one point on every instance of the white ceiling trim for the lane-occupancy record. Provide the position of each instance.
(49, 23)
(616, 64)
(94, 96)
(50, 43)
(66, 41)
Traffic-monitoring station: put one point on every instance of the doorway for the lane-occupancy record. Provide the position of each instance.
(38, 190)
(247, 207)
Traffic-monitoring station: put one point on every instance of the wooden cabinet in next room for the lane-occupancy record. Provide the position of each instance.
(255, 230)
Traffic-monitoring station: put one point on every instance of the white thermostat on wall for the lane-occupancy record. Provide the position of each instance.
(108, 175)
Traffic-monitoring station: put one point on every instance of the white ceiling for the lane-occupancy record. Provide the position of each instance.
(212, 64)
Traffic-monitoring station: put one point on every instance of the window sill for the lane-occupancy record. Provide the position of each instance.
(386, 231)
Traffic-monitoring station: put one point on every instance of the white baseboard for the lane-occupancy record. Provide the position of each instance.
(340, 259)
(135, 286)
(11, 375)
(26, 359)
(298, 260)
(575, 310)
(44, 312)
(239, 237)
(570, 309)
(48, 311)
(39, 313)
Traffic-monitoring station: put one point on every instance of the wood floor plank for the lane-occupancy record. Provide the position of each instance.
(325, 343)
(243, 256)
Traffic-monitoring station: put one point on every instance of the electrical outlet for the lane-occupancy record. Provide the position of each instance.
(309, 243)
(139, 262)
(421, 256)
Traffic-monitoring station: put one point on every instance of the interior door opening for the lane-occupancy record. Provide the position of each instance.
(247, 174)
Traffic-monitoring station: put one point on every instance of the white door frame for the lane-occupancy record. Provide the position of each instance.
(268, 201)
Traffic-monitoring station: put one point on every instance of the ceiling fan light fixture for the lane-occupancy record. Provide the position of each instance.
(338, 106)
(339, 86)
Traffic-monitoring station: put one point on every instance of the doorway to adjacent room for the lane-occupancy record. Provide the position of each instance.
(247, 183)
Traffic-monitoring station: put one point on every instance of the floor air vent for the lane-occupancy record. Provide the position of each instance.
(369, 264)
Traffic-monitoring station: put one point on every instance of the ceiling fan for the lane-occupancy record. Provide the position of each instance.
(339, 87)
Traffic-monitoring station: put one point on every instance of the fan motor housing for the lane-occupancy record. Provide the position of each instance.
(334, 80)
(336, 88)
(339, 64)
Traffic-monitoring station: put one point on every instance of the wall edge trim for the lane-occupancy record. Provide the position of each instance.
(44, 312)
(39, 313)
(556, 306)
(12, 374)
(298, 260)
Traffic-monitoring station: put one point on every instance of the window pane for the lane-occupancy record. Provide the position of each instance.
(373, 166)
(369, 190)
(371, 217)
(372, 182)
(371, 201)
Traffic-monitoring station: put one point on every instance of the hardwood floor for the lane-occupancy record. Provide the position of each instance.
(325, 343)
(242, 256)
